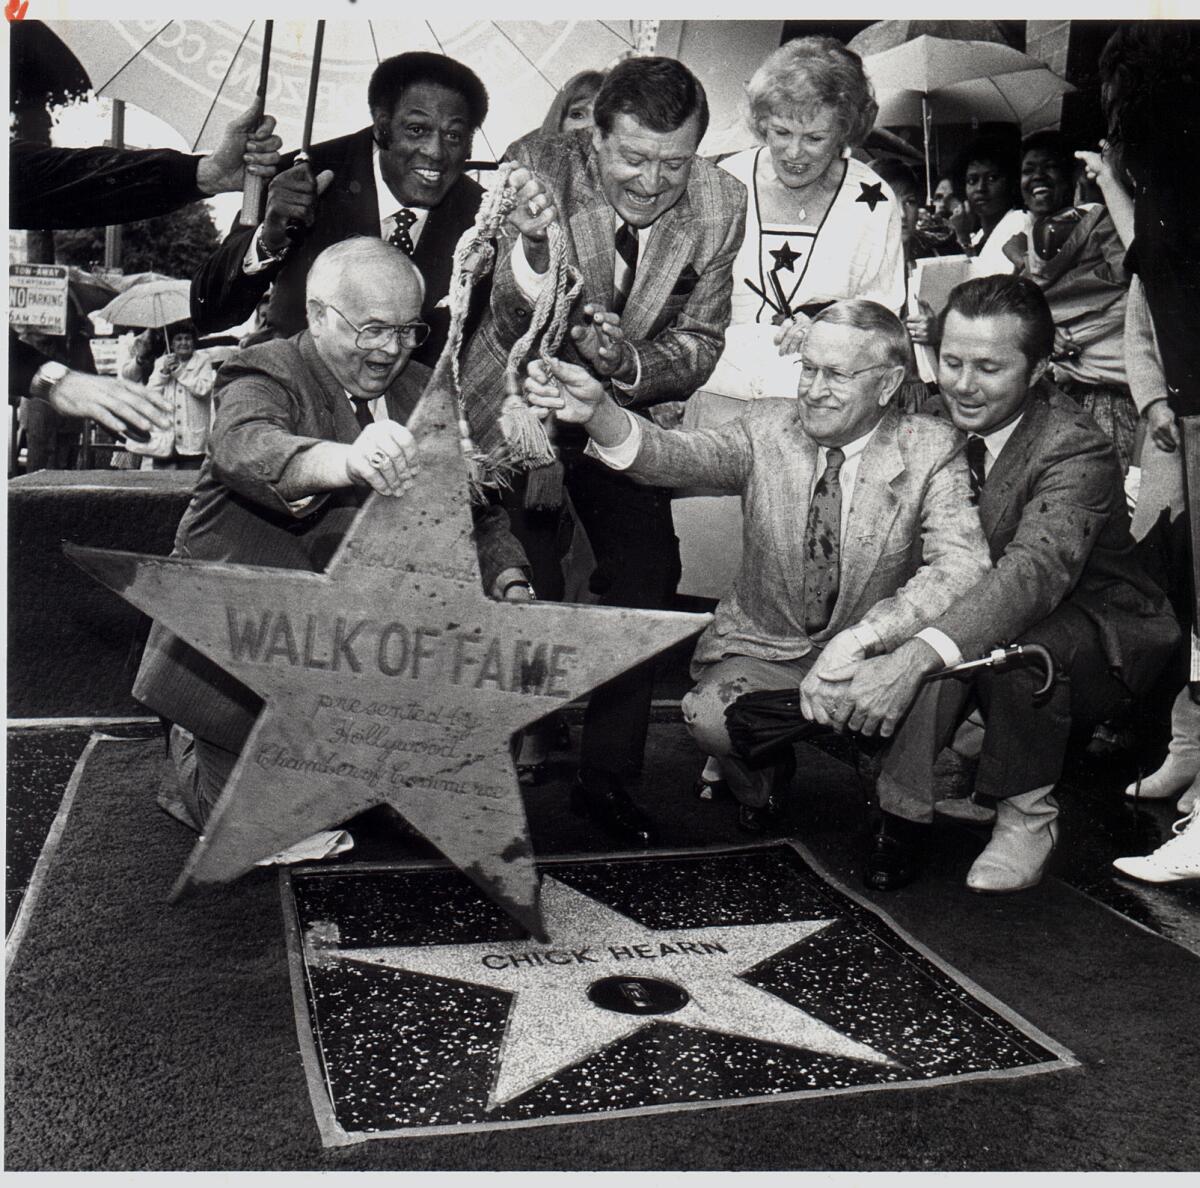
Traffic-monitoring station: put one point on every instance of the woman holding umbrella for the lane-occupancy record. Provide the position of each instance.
(185, 377)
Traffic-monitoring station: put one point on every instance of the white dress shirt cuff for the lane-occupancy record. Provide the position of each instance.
(619, 457)
(529, 282)
(941, 643)
(256, 258)
(637, 372)
(867, 637)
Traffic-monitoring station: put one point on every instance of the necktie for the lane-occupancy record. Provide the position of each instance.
(624, 265)
(400, 236)
(976, 456)
(362, 412)
(822, 545)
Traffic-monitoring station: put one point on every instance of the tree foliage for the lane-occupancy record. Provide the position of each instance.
(43, 74)
(174, 244)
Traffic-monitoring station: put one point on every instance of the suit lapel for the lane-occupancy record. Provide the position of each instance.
(658, 269)
(803, 464)
(337, 403)
(873, 507)
(1005, 484)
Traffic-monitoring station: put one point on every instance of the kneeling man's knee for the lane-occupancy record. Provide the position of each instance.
(704, 714)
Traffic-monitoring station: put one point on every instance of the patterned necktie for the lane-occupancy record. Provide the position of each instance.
(822, 545)
(362, 412)
(976, 457)
(400, 236)
(624, 265)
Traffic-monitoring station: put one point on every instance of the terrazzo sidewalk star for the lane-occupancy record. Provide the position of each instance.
(668, 981)
(589, 989)
(391, 678)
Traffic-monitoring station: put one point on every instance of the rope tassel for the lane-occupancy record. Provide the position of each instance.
(528, 443)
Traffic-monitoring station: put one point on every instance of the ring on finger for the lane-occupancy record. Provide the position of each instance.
(377, 458)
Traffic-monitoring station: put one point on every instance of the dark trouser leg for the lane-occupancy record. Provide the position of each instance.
(539, 530)
(905, 785)
(1026, 740)
(1189, 429)
(637, 565)
(203, 769)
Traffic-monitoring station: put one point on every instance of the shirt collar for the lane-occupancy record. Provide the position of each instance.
(852, 448)
(998, 438)
(387, 203)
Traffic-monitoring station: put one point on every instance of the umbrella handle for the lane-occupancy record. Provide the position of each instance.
(254, 189)
(254, 193)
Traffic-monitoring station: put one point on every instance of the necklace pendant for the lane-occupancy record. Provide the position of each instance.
(802, 214)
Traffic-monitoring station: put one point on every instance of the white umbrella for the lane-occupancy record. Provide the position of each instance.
(153, 304)
(197, 75)
(933, 78)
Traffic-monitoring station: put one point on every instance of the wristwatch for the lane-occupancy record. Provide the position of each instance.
(46, 379)
(265, 255)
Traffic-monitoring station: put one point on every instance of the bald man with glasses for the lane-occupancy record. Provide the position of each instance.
(858, 528)
(306, 427)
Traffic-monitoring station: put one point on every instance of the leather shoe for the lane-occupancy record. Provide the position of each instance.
(893, 860)
(760, 818)
(768, 817)
(601, 796)
(1023, 839)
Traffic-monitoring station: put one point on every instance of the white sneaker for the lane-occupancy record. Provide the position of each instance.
(1175, 860)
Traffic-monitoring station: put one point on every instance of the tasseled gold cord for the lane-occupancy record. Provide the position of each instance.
(527, 440)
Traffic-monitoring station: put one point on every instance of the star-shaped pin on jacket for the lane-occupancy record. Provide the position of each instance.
(872, 194)
(391, 678)
(784, 257)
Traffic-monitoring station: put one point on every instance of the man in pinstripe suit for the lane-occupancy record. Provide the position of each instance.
(653, 230)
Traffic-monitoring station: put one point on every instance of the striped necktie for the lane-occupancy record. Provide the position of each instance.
(976, 460)
(624, 265)
(822, 545)
(400, 236)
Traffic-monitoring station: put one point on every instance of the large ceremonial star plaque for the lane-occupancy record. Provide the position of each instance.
(388, 679)
(668, 981)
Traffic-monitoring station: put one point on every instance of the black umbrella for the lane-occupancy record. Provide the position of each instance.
(762, 724)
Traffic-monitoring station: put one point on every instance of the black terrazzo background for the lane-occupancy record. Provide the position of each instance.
(406, 1051)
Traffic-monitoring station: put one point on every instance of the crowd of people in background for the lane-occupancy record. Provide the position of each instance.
(714, 290)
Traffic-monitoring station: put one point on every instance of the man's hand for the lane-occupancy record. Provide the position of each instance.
(825, 702)
(600, 340)
(570, 391)
(383, 457)
(1160, 425)
(292, 198)
(116, 403)
(842, 651)
(789, 338)
(881, 690)
(249, 145)
(532, 215)
(577, 397)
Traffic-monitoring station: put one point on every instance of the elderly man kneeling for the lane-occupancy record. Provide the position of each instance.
(305, 428)
(858, 529)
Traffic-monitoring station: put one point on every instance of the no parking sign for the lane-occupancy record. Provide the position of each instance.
(37, 297)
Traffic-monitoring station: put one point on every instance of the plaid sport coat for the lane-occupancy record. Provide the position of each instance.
(679, 305)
